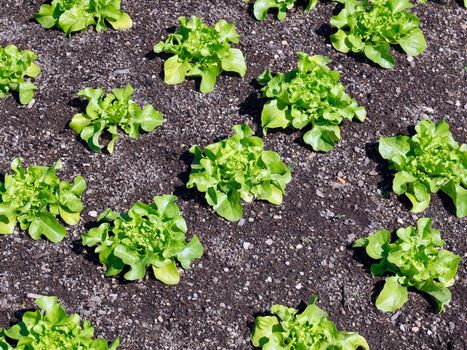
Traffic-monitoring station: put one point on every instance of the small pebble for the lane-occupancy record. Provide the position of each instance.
(269, 241)
(93, 214)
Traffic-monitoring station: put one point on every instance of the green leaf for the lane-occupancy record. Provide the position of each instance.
(375, 243)
(261, 8)
(73, 20)
(167, 273)
(46, 224)
(124, 22)
(414, 43)
(380, 55)
(392, 297)
(394, 149)
(273, 117)
(338, 40)
(175, 71)
(234, 62)
(323, 137)
(226, 205)
(192, 251)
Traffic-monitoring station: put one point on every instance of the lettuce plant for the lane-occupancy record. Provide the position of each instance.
(311, 330)
(51, 328)
(428, 162)
(33, 198)
(148, 235)
(238, 168)
(261, 7)
(201, 51)
(309, 96)
(371, 26)
(107, 113)
(15, 67)
(76, 15)
(416, 260)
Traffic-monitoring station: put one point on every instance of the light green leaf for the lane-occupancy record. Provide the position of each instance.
(124, 22)
(414, 43)
(393, 296)
(323, 137)
(167, 273)
(175, 71)
(272, 117)
(234, 62)
(45, 224)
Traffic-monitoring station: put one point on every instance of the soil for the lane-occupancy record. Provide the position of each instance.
(276, 254)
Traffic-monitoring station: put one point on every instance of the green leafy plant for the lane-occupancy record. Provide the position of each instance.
(416, 260)
(371, 26)
(309, 96)
(76, 15)
(238, 168)
(35, 196)
(311, 330)
(15, 67)
(107, 113)
(428, 162)
(148, 235)
(261, 7)
(50, 328)
(201, 51)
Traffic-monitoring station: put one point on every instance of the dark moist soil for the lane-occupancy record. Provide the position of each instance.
(276, 254)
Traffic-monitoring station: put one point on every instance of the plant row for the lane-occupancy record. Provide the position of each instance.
(235, 169)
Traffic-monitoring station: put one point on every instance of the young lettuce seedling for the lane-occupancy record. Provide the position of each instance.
(261, 7)
(309, 96)
(35, 196)
(107, 113)
(238, 168)
(371, 26)
(428, 162)
(201, 51)
(50, 328)
(416, 260)
(310, 329)
(148, 235)
(76, 15)
(15, 67)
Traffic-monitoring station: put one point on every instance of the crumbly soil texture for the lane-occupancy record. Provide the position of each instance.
(275, 254)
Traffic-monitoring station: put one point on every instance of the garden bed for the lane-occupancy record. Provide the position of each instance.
(275, 254)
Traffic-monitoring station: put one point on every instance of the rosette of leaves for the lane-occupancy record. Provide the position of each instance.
(238, 168)
(310, 96)
(15, 68)
(201, 51)
(428, 162)
(261, 7)
(108, 113)
(371, 26)
(76, 15)
(416, 260)
(288, 329)
(148, 235)
(33, 198)
(51, 328)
